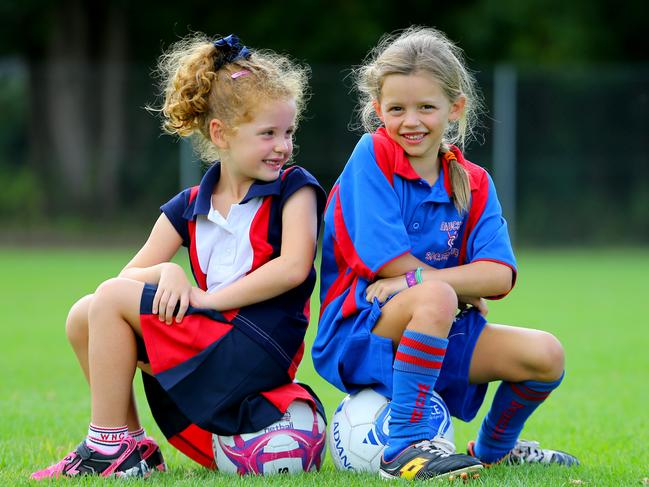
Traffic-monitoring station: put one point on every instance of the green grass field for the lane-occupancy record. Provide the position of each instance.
(592, 300)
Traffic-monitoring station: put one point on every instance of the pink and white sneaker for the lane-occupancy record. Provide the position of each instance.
(126, 462)
(151, 454)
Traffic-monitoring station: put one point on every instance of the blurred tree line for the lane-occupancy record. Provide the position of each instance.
(68, 133)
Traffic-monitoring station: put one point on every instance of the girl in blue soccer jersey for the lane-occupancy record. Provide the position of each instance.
(221, 356)
(412, 232)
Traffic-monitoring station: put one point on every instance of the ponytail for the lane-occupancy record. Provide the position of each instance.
(190, 73)
(202, 80)
(460, 185)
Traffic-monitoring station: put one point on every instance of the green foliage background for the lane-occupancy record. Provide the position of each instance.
(582, 103)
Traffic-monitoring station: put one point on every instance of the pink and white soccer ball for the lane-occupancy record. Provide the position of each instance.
(358, 430)
(294, 444)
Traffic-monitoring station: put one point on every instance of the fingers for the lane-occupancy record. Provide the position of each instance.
(184, 304)
(162, 303)
(193, 301)
(156, 301)
(371, 292)
(384, 288)
(478, 303)
(166, 304)
(482, 307)
(171, 306)
(376, 292)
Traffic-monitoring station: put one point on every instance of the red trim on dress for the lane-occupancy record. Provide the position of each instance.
(196, 443)
(199, 275)
(281, 397)
(170, 345)
(261, 248)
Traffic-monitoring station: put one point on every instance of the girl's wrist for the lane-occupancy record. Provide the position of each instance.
(418, 275)
(414, 277)
(411, 279)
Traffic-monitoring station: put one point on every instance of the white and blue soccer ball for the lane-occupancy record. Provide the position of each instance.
(294, 444)
(358, 430)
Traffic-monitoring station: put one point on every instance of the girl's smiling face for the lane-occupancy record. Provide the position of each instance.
(259, 148)
(416, 112)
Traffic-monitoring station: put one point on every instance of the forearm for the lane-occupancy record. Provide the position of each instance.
(268, 281)
(150, 275)
(477, 279)
(401, 265)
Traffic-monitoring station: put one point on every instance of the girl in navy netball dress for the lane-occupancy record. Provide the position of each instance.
(221, 357)
(412, 229)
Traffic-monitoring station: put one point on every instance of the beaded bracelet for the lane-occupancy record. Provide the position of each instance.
(411, 279)
(418, 277)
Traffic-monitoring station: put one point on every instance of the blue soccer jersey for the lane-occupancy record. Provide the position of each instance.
(378, 210)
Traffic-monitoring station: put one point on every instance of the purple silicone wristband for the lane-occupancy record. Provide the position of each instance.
(411, 279)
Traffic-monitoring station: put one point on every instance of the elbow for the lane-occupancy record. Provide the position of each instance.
(296, 273)
(502, 283)
(125, 272)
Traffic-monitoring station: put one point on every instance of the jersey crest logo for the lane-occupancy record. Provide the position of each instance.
(451, 229)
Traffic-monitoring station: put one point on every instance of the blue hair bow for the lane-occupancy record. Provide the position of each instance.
(231, 50)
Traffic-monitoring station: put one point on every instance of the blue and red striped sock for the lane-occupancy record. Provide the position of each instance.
(416, 368)
(512, 405)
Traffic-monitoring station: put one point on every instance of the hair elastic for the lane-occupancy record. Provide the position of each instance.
(232, 50)
(239, 74)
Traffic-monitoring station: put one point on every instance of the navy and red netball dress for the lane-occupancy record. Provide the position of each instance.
(378, 210)
(228, 372)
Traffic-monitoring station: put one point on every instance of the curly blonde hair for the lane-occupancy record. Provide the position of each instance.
(422, 49)
(197, 85)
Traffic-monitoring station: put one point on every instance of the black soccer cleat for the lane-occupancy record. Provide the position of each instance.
(126, 462)
(430, 459)
(151, 454)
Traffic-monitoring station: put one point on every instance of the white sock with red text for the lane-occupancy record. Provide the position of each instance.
(138, 434)
(105, 440)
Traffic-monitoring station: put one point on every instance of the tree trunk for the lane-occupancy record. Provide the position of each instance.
(78, 113)
(65, 84)
(112, 136)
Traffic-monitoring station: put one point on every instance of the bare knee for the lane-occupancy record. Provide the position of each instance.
(76, 324)
(106, 296)
(116, 298)
(434, 308)
(549, 357)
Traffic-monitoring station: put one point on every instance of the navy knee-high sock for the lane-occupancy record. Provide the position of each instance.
(416, 367)
(512, 405)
